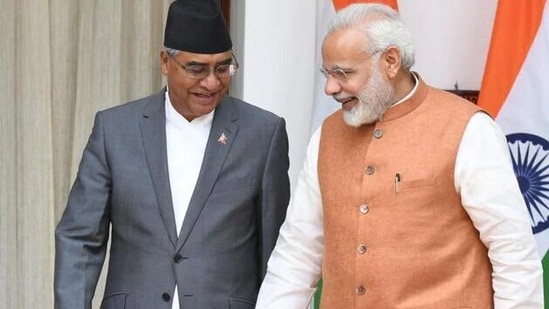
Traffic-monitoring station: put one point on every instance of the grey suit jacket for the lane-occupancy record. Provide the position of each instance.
(230, 228)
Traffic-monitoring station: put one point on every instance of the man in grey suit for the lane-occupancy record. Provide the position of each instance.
(192, 183)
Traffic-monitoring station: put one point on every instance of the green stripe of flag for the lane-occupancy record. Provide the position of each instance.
(545, 263)
(317, 295)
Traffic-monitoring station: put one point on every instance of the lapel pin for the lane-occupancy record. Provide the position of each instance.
(222, 139)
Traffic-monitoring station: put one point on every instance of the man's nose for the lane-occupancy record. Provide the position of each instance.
(211, 81)
(332, 86)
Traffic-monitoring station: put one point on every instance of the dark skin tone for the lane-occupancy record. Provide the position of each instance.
(190, 97)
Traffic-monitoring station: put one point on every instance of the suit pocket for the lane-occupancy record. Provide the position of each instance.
(237, 303)
(416, 183)
(114, 301)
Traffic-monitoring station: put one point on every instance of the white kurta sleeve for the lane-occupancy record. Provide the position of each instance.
(295, 265)
(491, 196)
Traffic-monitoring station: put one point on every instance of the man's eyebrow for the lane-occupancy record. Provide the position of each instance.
(222, 62)
(338, 67)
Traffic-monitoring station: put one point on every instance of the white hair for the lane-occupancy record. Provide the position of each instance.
(383, 28)
(172, 51)
(373, 100)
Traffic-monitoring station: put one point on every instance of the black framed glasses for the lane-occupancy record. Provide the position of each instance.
(201, 71)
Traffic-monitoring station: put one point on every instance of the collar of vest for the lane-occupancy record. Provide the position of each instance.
(410, 104)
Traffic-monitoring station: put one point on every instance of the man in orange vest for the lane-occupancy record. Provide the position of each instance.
(407, 198)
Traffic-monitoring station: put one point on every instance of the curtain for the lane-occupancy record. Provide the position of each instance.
(60, 62)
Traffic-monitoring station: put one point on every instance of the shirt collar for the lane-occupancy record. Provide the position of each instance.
(411, 93)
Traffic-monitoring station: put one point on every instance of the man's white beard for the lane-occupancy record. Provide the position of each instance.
(373, 100)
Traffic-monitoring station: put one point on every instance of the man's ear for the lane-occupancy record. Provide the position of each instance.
(393, 60)
(164, 59)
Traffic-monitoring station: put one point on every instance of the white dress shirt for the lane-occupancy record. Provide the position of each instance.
(485, 180)
(186, 144)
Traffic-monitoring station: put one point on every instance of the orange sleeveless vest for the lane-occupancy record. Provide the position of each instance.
(396, 234)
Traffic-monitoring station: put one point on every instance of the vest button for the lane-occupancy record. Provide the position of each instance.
(361, 249)
(360, 290)
(369, 170)
(166, 297)
(378, 133)
(178, 258)
(363, 209)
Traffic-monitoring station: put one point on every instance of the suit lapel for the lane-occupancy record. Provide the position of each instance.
(153, 132)
(222, 135)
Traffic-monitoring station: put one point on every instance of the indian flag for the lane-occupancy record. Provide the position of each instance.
(324, 105)
(515, 91)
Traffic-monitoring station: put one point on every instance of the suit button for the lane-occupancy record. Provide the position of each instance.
(178, 258)
(360, 290)
(364, 209)
(166, 296)
(361, 249)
